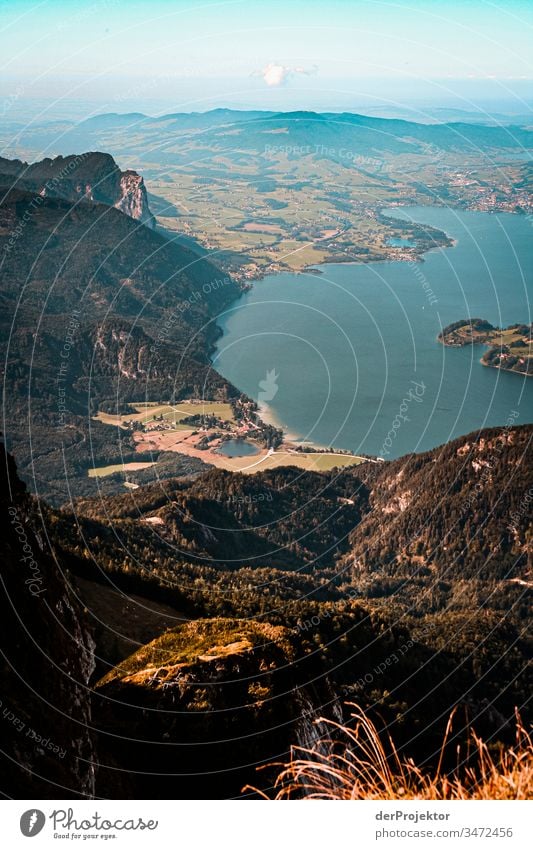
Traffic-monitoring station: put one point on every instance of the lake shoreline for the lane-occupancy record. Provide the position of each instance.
(416, 255)
(397, 335)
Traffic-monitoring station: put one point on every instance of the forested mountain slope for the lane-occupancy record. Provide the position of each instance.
(97, 310)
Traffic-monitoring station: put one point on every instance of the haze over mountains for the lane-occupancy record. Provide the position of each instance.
(228, 129)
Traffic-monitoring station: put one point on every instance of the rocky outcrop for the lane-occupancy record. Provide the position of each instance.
(193, 713)
(86, 176)
(133, 199)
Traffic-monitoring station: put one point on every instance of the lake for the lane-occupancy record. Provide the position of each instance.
(237, 448)
(350, 358)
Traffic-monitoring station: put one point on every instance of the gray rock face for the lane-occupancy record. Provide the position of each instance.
(86, 176)
(133, 200)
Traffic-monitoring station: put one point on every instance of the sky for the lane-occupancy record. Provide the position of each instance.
(174, 55)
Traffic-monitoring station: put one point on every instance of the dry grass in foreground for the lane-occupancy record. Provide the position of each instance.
(357, 766)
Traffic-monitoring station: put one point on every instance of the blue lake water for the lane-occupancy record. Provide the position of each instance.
(338, 356)
(237, 448)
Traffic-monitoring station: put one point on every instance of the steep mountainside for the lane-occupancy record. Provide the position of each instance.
(372, 521)
(230, 688)
(269, 649)
(459, 511)
(86, 176)
(200, 705)
(96, 310)
(328, 555)
(46, 738)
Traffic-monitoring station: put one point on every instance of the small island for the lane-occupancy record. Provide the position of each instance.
(509, 348)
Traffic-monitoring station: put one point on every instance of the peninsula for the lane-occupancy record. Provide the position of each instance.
(509, 348)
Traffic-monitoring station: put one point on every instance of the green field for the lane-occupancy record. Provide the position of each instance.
(314, 209)
(174, 413)
(310, 462)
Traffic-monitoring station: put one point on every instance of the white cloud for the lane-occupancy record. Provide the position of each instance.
(275, 74)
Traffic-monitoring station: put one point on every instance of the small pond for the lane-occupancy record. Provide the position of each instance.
(237, 448)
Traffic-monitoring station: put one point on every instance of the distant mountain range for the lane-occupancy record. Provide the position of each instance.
(251, 130)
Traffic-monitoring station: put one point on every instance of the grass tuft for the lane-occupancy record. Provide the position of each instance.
(357, 765)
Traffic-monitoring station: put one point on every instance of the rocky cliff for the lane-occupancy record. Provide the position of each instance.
(86, 176)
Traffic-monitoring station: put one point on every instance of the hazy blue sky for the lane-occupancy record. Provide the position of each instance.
(129, 53)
